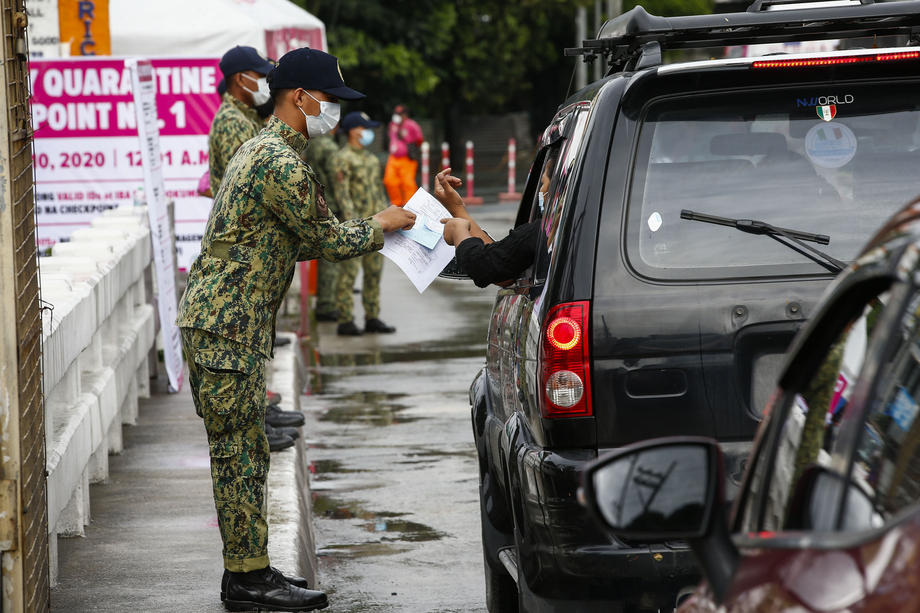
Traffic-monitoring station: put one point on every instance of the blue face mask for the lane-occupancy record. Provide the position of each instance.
(367, 137)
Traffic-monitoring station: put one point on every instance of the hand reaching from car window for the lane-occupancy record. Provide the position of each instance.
(456, 230)
(445, 190)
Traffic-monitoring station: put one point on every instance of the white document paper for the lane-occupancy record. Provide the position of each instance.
(418, 262)
(425, 232)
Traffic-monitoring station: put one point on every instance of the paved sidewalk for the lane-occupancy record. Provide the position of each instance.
(153, 544)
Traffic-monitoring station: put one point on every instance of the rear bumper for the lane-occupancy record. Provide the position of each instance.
(563, 554)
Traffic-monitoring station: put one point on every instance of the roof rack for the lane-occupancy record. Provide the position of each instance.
(636, 39)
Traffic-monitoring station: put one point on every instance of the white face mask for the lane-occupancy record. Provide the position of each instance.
(327, 119)
(261, 95)
(396, 118)
(540, 196)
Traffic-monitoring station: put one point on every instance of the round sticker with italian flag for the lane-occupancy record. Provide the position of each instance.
(830, 144)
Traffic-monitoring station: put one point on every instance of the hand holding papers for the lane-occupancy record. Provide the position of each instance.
(420, 252)
(426, 231)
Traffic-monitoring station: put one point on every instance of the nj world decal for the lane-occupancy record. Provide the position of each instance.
(818, 101)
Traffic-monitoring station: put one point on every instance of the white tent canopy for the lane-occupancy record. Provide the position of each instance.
(197, 28)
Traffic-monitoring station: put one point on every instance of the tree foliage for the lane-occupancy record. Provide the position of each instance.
(446, 58)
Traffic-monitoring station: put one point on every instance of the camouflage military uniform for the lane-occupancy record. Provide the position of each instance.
(361, 194)
(268, 213)
(234, 124)
(319, 157)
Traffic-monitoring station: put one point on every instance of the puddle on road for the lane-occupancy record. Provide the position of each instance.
(410, 531)
(392, 528)
(427, 456)
(329, 367)
(362, 550)
(369, 407)
(329, 466)
(413, 352)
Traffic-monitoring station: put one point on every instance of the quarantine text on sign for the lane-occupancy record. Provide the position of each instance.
(87, 152)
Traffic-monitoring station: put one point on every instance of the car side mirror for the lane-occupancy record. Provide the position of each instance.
(659, 490)
(666, 489)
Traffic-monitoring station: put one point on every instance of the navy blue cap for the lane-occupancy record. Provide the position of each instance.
(240, 58)
(355, 119)
(311, 69)
(222, 87)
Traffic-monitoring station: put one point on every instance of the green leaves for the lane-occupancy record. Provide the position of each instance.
(472, 56)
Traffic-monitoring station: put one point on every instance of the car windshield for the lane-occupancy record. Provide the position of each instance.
(832, 160)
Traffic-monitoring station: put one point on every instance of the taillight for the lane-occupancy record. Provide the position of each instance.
(837, 60)
(564, 359)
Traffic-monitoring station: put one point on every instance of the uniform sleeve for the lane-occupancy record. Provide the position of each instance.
(379, 195)
(292, 195)
(502, 260)
(340, 173)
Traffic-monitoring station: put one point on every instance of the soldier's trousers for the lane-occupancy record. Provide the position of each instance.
(372, 264)
(326, 276)
(228, 387)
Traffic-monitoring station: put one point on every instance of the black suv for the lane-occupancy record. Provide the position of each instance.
(695, 212)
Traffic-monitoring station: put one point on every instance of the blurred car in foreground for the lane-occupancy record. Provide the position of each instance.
(828, 514)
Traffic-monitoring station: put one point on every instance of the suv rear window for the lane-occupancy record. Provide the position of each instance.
(833, 159)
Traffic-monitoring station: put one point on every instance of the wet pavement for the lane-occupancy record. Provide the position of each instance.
(395, 485)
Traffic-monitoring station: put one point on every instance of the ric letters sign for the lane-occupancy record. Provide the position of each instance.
(85, 26)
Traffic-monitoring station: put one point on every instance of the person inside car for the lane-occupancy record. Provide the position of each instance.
(483, 259)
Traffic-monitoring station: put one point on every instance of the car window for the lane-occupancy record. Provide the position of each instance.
(794, 483)
(777, 157)
(886, 464)
(552, 194)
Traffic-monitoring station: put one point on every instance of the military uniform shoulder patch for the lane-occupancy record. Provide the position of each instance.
(322, 209)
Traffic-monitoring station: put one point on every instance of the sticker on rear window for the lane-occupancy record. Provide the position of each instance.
(830, 145)
(827, 112)
(654, 221)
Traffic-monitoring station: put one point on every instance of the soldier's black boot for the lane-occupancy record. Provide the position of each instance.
(276, 416)
(348, 329)
(268, 590)
(277, 440)
(375, 325)
(327, 316)
(291, 433)
(293, 580)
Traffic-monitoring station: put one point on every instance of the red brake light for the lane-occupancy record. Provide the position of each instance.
(840, 59)
(563, 333)
(564, 362)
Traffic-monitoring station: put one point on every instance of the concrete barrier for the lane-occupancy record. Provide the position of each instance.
(290, 537)
(98, 330)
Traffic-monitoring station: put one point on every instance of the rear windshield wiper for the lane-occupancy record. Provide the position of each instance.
(752, 226)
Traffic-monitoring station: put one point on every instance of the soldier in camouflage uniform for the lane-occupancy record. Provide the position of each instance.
(237, 119)
(319, 156)
(361, 190)
(268, 213)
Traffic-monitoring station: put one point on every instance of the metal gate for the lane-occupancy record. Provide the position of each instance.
(23, 487)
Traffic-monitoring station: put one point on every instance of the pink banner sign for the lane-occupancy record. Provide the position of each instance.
(72, 98)
(87, 155)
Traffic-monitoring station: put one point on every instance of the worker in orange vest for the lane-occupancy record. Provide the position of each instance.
(402, 164)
